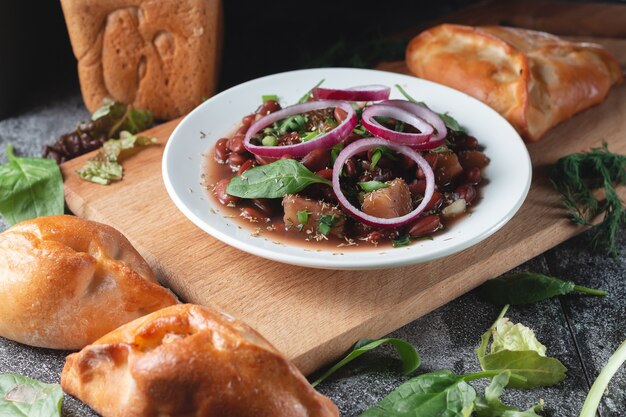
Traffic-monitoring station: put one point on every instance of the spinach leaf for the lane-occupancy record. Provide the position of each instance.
(528, 288)
(491, 406)
(21, 396)
(29, 188)
(369, 186)
(516, 349)
(409, 356)
(285, 176)
(436, 394)
(450, 122)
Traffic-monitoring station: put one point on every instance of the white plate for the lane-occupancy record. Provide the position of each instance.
(508, 173)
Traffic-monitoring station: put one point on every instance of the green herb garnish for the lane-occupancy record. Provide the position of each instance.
(105, 166)
(515, 348)
(292, 123)
(527, 288)
(275, 180)
(369, 186)
(335, 151)
(269, 97)
(404, 240)
(576, 176)
(29, 188)
(409, 356)
(21, 396)
(326, 222)
(378, 153)
(450, 122)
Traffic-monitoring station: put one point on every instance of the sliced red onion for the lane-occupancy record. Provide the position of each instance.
(327, 140)
(429, 116)
(374, 92)
(362, 145)
(383, 110)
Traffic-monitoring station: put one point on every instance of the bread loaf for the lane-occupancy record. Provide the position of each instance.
(190, 361)
(160, 55)
(534, 79)
(66, 281)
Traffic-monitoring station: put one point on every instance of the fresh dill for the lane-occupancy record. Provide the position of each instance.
(576, 177)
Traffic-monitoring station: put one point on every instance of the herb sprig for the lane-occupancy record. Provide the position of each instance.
(576, 176)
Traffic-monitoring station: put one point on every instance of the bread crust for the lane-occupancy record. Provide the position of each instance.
(191, 361)
(534, 79)
(66, 281)
(159, 55)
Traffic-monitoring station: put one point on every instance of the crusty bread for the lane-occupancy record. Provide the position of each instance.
(66, 281)
(534, 79)
(160, 55)
(190, 361)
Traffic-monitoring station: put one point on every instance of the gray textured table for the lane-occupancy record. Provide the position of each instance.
(580, 331)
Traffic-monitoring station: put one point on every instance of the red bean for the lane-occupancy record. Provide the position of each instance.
(471, 143)
(417, 187)
(251, 214)
(222, 196)
(270, 106)
(243, 129)
(250, 163)
(425, 225)
(434, 202)
(267, 206)
(340, 115)
(471, 159)
(473, 175)
(235, 144)
(248, 120)
(325, 173)
(466, 192)
(236, 160)
(350, 168)
(317, 159)
(221, 150)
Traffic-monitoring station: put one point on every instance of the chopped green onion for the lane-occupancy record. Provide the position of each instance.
(334, 152)
(305, 97)
(327, 222)
(272, 97)
(303, 217)
(309, 136)
(269, 141)
(369, 186)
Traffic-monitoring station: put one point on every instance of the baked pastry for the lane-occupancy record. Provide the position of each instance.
(191, 361)
(66, 281)
(159, 55)
(534, 79)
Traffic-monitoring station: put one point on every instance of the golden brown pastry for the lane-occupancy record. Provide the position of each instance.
(189, 361)
(161, 55)
(66, 281)
(534, 79)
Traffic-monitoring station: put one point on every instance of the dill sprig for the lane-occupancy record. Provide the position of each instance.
(576, 176)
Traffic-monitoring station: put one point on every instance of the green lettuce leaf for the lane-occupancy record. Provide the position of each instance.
(515, 337)
(25, 397)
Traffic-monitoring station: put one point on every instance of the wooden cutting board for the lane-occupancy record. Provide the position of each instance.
(312, 315)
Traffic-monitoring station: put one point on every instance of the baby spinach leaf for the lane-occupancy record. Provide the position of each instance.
(21, 396)
(516, 349)
(29, 188)
(491, 406)
(409, 356)
(528, 288)
(275, 180)
(436, 394)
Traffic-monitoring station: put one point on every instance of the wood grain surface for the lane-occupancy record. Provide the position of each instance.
(313, 315)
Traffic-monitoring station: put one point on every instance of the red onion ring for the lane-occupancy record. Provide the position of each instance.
(395, 112)
(327, 140)
(374, 92)
(429, 116)
(364, 145)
